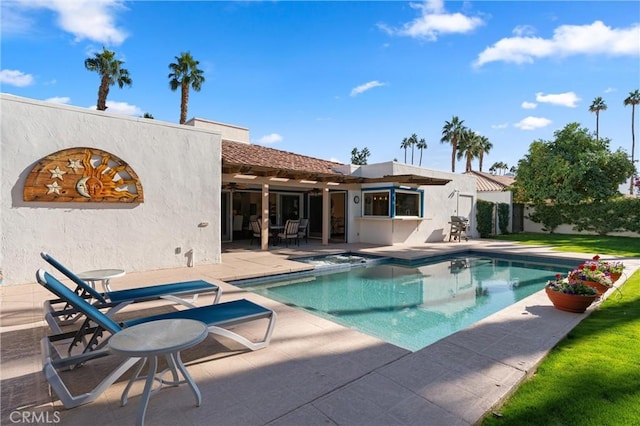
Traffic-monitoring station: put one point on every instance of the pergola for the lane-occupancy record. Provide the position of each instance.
(261, 166)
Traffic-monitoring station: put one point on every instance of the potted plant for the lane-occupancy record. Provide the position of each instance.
(589, 274)
(613, 268)
(570, 296)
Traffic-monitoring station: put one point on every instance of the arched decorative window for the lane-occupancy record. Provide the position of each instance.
(83, 175)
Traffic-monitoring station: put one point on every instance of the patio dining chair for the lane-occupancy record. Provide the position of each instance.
(290, 232)
(97, 329)
(59, 313)
(256, 231)
(302, 230)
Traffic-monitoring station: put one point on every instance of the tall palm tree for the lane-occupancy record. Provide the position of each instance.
(110, 71)
(597, 106)
(404, 145)
(421, 145)
(485, 146)
(185, 74)
(633, 99)
(413, 141)
(451, 134)
(468, 147)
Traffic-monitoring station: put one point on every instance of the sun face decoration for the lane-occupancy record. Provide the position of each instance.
(82, 174)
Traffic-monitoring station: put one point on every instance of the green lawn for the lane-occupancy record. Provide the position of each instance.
(592, 377)
(595, 244)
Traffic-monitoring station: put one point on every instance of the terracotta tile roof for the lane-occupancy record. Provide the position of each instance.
(262, 161)
(241, 154)
(487, 182)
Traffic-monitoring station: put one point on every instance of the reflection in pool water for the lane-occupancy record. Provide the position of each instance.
(413, 306)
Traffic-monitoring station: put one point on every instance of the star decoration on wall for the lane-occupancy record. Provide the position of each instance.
(57, 173)
(53, 188)
(75, 165)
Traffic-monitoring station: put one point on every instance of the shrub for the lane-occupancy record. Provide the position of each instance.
(484, 217)
(503, 217)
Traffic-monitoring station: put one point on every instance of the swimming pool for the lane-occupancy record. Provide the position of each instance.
(413, 305)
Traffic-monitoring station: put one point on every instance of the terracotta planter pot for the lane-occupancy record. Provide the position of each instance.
(601, 288)
(615, 276)
(570, 302)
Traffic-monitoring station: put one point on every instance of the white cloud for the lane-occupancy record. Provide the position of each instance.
(85, 19)
(270, 139)
(367, 86)
(524, 30)
(122, 108)
(567, 40)
(610, 90)
(13, 20)
(434, 21)
(568, 99)
(59, 100)
(500, 126)
(532, 123)
(529, 105)
(15, 78)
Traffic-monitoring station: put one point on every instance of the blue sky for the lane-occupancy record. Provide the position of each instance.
(320, 78)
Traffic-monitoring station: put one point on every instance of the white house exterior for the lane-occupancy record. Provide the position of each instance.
(178, 222)
(185, 172)
(440, 202)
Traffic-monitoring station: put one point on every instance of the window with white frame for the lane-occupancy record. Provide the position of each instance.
(392, 202)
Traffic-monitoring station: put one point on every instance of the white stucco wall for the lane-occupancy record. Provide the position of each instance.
(440, 203)
(178, 166)
(229, 132)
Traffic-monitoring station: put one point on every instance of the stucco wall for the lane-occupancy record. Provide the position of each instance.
(440, 203)
(229, 132)
(178, 166)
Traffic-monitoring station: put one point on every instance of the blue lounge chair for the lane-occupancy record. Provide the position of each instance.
(116, 300)
(98, 327)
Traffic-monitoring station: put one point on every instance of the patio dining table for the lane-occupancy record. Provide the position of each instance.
(274, 230)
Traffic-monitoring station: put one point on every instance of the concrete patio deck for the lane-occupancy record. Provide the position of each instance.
(314, 372)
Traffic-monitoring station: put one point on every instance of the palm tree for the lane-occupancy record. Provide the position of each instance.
(404, 145)
(413, 141)
(185, 74)
(421, 145)
(597, 106)
(111, 72)
(633, 100)
(450, 134)
(497, 166)
(484, 147)
(468, 147)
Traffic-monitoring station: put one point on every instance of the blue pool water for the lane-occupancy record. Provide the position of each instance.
(412, 306)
